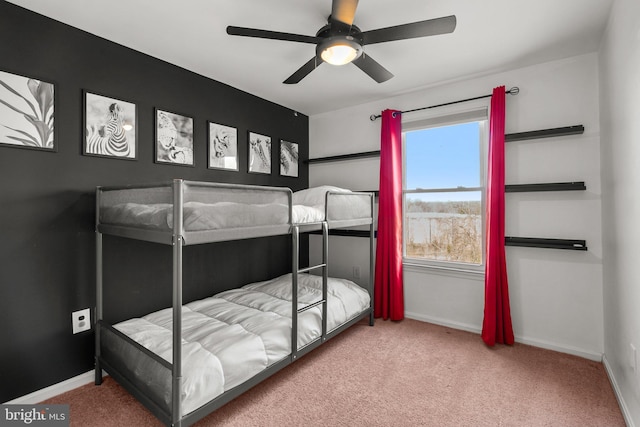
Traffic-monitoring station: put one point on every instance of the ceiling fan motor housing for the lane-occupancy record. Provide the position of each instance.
(334, 35)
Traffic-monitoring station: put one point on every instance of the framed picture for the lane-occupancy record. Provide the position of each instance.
(174, 138)
(259, 153)
(26, 112)
(288, 158)
(109, 127)
(223, 147)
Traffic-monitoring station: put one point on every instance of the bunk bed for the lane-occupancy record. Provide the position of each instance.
(186, 361)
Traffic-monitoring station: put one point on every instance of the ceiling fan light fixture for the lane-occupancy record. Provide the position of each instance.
(339, 50)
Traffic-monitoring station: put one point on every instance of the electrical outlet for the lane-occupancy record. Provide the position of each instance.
(81, 320)
(356, 272)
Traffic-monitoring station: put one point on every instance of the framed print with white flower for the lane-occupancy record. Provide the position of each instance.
(223, 147)
(174, 138)
(109, 127)
(26, 112)
(259, 153)
(288, 158)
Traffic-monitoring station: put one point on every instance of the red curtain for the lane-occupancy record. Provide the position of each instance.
(388, 284)
(496, 326)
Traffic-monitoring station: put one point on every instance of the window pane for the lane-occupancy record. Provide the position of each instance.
(443, 157)
(444, 226)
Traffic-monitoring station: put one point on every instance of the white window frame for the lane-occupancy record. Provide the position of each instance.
(479, 112)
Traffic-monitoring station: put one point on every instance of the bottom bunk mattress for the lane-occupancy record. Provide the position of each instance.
(232, 336)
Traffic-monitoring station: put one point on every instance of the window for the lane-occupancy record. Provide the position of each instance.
(444, 190)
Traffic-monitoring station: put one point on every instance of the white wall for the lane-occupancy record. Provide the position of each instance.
(620, 119)
(556, 295)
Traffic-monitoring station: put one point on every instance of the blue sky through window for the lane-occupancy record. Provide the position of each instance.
(443, 157)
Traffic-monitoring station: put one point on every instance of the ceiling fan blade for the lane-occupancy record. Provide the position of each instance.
(303, 71)
(374, 70)
(344, 11)
(274, 35)
(426, 28)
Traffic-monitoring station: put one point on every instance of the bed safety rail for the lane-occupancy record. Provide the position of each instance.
(354, 205)
(117, 350)
(146, 212)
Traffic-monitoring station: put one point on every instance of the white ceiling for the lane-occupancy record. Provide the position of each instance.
(491, 36)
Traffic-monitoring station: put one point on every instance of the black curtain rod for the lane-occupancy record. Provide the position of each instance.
(513, 91)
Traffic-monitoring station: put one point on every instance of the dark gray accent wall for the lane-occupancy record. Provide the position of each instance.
(47, 261)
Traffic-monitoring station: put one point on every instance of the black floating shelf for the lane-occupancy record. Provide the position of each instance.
(533, 242)
(551, 186)
(544, 133)
(521, 136)
(340, 157)
(346, 232)
(530, 242)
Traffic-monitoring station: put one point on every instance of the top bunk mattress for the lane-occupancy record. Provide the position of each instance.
(210, 206)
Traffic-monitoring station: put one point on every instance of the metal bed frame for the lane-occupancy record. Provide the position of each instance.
(112, 348)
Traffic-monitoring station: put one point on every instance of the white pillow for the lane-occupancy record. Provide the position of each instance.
(315, 196)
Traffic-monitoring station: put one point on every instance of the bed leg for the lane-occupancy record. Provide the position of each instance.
(371, 319)
(98, 373)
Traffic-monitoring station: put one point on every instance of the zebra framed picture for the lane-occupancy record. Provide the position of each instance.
(109, 127)
(223, 147)
(288, 158)
(259, 153)
(26, 112)
(174, 138)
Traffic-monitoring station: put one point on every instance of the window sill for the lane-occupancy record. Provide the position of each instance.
(444, 271)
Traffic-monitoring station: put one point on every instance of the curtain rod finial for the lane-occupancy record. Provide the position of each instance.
(373, 117)
(514, 90)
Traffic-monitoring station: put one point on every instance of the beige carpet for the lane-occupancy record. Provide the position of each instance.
(407, 373)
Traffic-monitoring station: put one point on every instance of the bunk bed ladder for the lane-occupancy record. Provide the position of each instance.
(295, 233)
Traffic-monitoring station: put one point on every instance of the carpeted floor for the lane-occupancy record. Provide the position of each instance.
(405, 373)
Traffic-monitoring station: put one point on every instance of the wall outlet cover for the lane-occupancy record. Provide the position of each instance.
(81, 320)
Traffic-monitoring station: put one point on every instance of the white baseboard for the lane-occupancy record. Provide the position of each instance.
(523, 340)
(616, 390)
(54, 390)
(596, 357)
(443, 322)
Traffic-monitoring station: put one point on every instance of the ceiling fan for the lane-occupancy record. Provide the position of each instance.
(340, 42)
